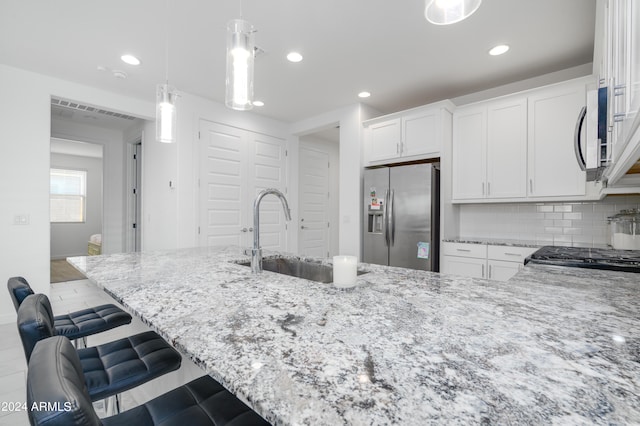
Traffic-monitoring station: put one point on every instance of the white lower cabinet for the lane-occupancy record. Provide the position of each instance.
(493, 262)
(467, 266)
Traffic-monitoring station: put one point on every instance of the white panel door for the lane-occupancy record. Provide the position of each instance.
(313, 201)
(223, 210)
(507, 149)
(267, 169)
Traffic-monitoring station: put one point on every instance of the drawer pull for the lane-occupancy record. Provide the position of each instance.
(512, 254)
(465, 250)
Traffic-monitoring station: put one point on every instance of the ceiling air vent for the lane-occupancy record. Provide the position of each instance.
(80, 107)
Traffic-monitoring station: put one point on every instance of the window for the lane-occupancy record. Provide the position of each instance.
(68, 192)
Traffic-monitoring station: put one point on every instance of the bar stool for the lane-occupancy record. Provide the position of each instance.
(55, 382)
(75, 325)
(109, 369)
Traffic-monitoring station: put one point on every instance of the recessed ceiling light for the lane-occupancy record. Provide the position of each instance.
(364, 94)
(130, 59)
(258, 103)
(294, 57)
(499, 50)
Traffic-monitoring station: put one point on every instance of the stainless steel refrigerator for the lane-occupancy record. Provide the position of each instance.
(402, 216)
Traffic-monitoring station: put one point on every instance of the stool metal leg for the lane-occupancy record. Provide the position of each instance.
(112, 405)
(80, 343)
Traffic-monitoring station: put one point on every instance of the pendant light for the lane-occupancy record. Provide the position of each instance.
(166, 98)
(240, 58)
(445, 12)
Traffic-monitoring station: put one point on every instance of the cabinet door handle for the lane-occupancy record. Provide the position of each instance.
(398, 148)
(489, 271)
(482, 188)
(531, 186)
(243, 230)
(488, 188)
(483, 271)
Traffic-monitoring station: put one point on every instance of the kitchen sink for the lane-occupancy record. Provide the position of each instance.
(309, 270)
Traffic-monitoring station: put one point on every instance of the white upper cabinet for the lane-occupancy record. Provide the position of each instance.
(385, 137)
(420, 134)
(489, 150)
(507, 148)
(410, 135)
(519, 147)
(469, 152)
(553, 169)
(620, 72)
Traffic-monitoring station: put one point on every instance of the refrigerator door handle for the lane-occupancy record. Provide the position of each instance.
(392, 220)
(385, 223)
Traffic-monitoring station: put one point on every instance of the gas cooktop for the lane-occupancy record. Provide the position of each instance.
(617, 260)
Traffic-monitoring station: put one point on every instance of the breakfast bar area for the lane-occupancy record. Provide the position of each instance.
(551, 345)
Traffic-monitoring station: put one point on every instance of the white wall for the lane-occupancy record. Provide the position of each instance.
(25, 126)
(70, 239)
(170, 216)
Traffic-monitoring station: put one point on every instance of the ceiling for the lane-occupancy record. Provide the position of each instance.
(381, 46)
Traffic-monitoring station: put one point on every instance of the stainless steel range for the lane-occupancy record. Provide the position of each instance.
(595, 258)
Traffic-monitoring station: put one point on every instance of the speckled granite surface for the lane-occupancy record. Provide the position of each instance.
(494, 242)
(554, 345)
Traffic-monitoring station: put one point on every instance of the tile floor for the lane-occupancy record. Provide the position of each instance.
(66, 297)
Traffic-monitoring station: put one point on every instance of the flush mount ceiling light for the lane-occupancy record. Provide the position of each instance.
(364, 94)
(240, 59)
(130, 59)
(499, 49)
(166, 97)
(294, 57)
(445, 12)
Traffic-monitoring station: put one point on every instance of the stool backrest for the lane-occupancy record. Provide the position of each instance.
(35, 321)
(19, 289)
(56, 391)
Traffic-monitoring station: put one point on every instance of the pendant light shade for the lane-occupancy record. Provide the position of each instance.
(240, 56)
(166, 113)
(445, 12)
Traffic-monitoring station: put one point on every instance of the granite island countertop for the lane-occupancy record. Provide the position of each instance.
(553, 345)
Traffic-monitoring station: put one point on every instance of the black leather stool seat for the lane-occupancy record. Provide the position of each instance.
(90, 321)
(110, 368)
(77, 324)
(126, 363)
(55, 378)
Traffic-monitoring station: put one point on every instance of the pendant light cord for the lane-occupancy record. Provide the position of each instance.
(166, 42)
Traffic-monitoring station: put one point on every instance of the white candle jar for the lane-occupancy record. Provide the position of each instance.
(345, 270)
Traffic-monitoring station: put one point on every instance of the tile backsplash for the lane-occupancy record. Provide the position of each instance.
(562, 224)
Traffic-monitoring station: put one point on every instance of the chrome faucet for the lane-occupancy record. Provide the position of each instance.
(256, 252)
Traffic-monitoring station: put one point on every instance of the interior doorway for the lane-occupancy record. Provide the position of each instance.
(318, 194)
(76, 199)
(134, 198)
(112, 133)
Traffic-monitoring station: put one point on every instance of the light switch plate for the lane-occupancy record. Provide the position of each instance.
(21, 219)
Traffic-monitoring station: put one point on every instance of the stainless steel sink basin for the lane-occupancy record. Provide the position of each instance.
(313, 271)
